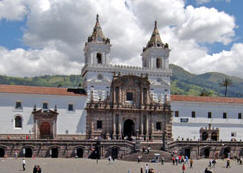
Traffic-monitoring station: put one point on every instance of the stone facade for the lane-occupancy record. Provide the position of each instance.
(129, 111)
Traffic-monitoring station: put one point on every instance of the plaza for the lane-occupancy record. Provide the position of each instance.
(48, 165)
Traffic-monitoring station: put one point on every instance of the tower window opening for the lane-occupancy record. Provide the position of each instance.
(99, 58)
(158, 63)
(18, 122)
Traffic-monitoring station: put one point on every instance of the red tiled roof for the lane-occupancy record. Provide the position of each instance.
(206, 99)
(21, 89)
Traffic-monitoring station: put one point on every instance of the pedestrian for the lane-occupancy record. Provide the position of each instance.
(213, 163)
(191, 163)
(210, 163)
(38, 169)
(23, 164)
(129, 171)
(183, 168)
(109, 159)
(173, 160)
(35, 169)
(146, 168)
(162, 160)
(228, 163)
(16, 154)
(177, 160)
(141, 170)
(186, 159)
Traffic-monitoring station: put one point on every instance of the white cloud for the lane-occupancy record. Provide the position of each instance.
(20, 62)
(207, 25)
(56, 32)
(12, 9)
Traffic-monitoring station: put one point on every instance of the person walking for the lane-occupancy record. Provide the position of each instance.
(23, 164)
(228, 163)
(146, 168)
(141, 170)
(191, 163)
(38, 169)
(183, 168)
(35, 169)
(162, 160)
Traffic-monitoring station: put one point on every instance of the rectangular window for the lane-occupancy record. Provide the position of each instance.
(18, 105)
(193, 114)
(239, 116)
(158, 126)
(99, 124)
(70, 107)
(45, 105)
(209, 114)
(224, 115)
(184, 120)
(129, 96)
(176, 113)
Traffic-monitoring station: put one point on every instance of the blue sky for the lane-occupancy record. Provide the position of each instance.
(204, 35)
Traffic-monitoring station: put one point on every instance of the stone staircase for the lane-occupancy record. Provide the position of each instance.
(147, 157)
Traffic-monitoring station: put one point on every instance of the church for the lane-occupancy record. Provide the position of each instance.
(118, 106)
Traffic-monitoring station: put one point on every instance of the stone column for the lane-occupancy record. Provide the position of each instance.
(141, 125)
(147, 126)
(120, 126)
(152, 126)
(114, 125)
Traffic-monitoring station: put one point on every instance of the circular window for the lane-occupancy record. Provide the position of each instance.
(99, 77)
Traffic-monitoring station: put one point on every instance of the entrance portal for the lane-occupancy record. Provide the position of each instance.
(28, 152)
(45, 130)
(80, 152)
(226, 152)
(2, 152)
(54, 153)
(129, 129)
(206, 152)
(114, 153)
(188, 152)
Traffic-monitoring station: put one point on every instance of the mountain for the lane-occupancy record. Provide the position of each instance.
(185, 83)
(182, 82)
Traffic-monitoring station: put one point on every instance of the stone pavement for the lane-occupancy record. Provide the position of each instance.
(48, 165)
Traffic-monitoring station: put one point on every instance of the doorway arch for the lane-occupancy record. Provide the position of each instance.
(28, 152)
(45, 130)
(80, 152)
(129, 129)
(206, 152)
(226, 152)
(2, 152)
(54, 152)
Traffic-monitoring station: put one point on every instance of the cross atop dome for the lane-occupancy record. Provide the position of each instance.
(155, 40)
(97, 35)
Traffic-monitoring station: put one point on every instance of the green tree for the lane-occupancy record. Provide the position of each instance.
(226, 83)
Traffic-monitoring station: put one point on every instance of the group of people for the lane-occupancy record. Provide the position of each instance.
(37, 169)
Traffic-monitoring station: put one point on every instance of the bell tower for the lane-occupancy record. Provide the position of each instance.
(97, 48)
(156, 54)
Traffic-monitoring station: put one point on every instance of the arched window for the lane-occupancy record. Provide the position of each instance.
(18, 122)
(99, 58)
(158, 63)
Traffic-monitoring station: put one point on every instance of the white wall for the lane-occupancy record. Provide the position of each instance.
(191, 128)
(74, 122)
